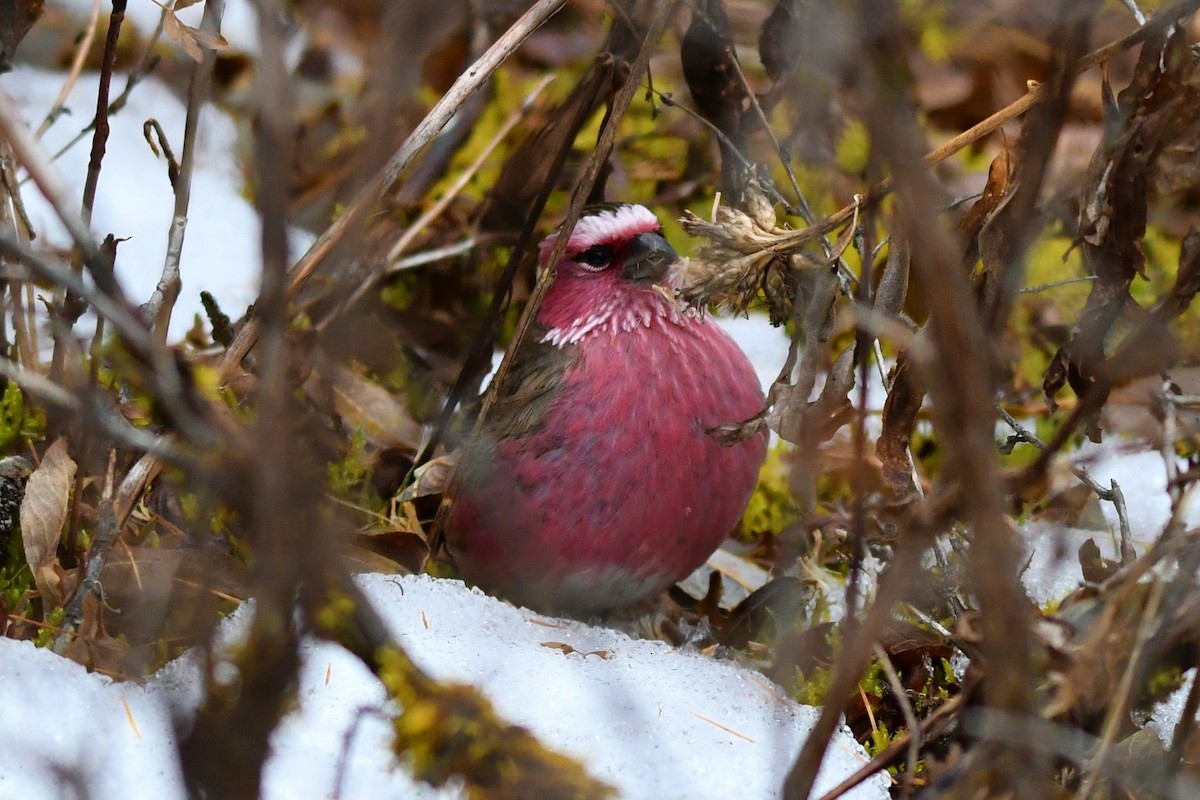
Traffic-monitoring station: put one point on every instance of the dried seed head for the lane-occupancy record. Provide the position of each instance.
(740, 260)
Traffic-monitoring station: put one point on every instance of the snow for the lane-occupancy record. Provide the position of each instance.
(766, 347)
(1166, 714)
(1142, 477)
(653, 721)
(63, 726)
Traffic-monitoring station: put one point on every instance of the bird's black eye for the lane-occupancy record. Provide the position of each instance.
(597, 256)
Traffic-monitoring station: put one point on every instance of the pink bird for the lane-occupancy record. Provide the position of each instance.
(594, 483)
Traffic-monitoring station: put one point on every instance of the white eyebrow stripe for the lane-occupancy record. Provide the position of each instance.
(625, 221)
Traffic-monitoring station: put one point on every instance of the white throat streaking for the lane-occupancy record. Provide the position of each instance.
(620, 316)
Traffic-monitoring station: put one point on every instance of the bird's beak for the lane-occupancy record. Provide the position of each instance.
(648, 258)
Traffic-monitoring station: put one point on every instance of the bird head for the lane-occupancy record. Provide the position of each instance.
(614, 241)
(613, 276)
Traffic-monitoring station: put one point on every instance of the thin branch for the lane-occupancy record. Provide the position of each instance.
(430, 256)
(1071, 743)
(910, 719)
(389, 264)
(1138, 14)
(158, 308)
(467, 84)
(40, 387)
(1041, 287)
(1112, 495)
(433, 212)
(992, 123)
(81, 52)
(145, 66)
(802, 202)
(13, 216)
(106, 536)
(100, 129)
(62, 275)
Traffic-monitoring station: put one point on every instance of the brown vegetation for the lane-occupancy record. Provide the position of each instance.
(902, 184)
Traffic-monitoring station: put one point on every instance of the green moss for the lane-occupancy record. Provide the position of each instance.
(811, 689)
(346, 477)
(445, 730)
(402, 291)
(18, 423)
(880, 739)
(772, 506)
(15, 577)
(853, 148)
(1163, 682)
(336, 613)
(46, 636)
(875, 683)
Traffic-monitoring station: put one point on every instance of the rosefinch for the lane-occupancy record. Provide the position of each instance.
(593, 483)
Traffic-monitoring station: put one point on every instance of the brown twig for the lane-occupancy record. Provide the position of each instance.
(107, 531)
(66, 306)
(910, 719)
(1118, 706)
(932, 726)
(100, 129)
(993, 123)
(226, 750)
(12, 215)
(145, 66)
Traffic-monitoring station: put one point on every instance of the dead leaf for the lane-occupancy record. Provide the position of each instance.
(1156, 103)
(567, 649)
(779, 39)
(711, 71)
(367, 405)
(43, 512)
(430, 478)
(193, 40)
